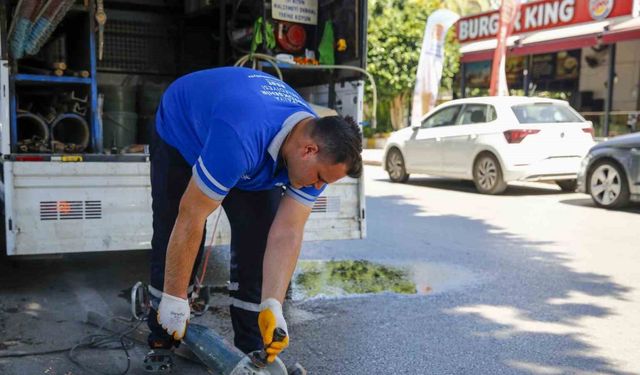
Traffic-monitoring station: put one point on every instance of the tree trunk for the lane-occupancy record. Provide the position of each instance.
(397, 112)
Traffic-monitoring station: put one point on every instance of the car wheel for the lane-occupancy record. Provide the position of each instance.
(608, 185)
(487, 175)
(395, 166)
(568, 185)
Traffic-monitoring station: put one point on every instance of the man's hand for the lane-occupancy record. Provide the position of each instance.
(173, 315)
(269, 319)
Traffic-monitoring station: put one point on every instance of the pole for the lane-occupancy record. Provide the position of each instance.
(526, 81)
(463, 80)
(610, 82)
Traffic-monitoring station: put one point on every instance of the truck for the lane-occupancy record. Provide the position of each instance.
(77, 103)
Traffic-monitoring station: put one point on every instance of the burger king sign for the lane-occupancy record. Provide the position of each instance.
(600, 9)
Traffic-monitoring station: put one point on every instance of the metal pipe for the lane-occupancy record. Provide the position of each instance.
(222, 357)
(70, 133)
(213, 350)
(33, 132)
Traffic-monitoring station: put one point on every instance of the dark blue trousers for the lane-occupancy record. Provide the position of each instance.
(250, 215)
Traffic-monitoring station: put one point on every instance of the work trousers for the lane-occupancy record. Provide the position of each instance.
(250, 216)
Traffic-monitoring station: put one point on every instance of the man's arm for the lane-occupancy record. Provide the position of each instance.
(185, 239)
(283, 248)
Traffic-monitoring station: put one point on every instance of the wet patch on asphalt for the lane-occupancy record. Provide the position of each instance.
(344, 278)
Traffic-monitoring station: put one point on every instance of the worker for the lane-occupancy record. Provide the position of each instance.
(245, 140)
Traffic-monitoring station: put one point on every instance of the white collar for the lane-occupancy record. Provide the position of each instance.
(287, 126)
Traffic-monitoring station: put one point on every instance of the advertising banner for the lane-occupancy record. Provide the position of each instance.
(430, 64)
(508, 11)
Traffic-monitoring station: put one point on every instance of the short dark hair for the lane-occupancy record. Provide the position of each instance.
(340, 141)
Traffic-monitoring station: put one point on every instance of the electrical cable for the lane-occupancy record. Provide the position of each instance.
(209, 249)
(273, 61)
(198, 282)
(112, 341)
(254, 60)
(30, 354)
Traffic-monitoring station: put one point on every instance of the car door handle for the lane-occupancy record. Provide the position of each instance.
(438, 139)
(472, 136)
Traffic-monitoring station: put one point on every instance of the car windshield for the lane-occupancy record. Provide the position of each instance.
(538, 113)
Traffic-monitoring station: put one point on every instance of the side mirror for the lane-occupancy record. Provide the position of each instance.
(415, 127)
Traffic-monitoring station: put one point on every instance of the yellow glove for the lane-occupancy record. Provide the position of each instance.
(269, 319)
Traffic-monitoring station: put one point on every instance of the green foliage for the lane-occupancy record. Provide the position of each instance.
(368, 132)
(384, 118)
(470, 7)
(394, 40)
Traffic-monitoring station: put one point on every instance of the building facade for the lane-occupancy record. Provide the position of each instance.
(583, 51)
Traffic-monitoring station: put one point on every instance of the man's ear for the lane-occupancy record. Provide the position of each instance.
(311, 149)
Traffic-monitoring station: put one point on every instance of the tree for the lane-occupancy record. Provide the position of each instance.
(469, 7)
(395, 38)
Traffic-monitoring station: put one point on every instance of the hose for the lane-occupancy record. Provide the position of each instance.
(21, 24)
(46, 22)
(274, 62)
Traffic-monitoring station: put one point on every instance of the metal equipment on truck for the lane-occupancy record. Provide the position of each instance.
(75, 108)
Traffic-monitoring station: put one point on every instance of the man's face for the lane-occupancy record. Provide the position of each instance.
(306, 168)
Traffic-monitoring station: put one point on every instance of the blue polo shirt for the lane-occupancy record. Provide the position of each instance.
(229, 124)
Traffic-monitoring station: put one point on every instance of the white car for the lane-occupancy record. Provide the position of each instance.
(492, 141)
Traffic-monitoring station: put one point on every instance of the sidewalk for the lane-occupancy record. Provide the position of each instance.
(372, 156)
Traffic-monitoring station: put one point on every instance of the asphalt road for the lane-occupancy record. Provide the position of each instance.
(535, 281)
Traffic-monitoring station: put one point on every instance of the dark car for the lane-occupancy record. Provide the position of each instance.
(610, 172)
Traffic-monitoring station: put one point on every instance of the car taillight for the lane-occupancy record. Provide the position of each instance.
(588, 130)
(516, 136)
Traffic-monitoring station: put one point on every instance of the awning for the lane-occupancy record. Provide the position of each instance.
(626, 30)
(559, 39)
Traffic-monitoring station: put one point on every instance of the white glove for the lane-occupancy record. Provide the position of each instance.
(173, 315)
(269, 319)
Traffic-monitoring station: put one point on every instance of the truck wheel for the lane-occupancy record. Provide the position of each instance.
(608, 185)
(567, 185)
(395, 166)
(487, 175)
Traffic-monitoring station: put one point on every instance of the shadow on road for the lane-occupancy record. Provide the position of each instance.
(44, 304)
(466, 186)
(521, 315)
(587, 202)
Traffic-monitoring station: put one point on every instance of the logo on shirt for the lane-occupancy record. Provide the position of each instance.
(245, 177)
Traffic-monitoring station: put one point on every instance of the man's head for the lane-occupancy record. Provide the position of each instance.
(322, 151)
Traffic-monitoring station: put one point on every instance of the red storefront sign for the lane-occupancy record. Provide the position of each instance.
(544, 14)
